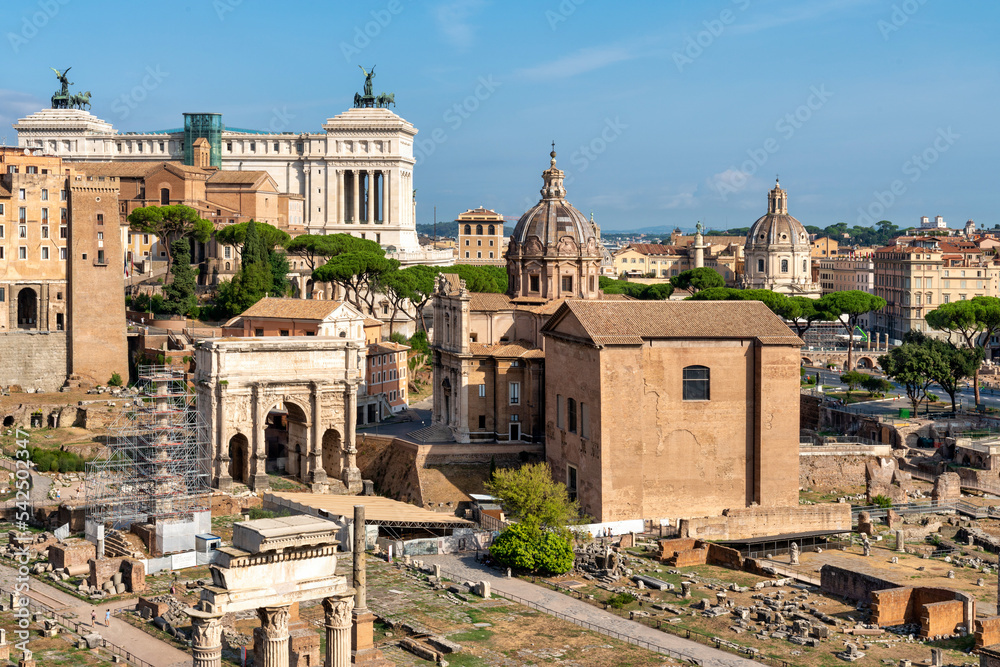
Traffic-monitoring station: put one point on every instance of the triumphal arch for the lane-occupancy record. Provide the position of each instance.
(276, 404)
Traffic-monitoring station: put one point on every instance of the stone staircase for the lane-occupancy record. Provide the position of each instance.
(116, 546)
(433, 433)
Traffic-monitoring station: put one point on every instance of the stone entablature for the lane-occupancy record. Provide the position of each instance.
(316, 379)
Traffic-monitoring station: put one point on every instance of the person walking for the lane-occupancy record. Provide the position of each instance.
(93, 618)
(107, 618)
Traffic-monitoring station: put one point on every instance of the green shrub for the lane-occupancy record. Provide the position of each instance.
(418, 342)
(619, 600)
(885, 502)
(116, 380)
(526, 547)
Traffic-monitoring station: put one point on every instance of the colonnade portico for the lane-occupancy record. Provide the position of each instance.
(364, 196)
(273, 564)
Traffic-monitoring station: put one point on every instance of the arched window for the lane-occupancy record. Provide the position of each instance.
(784, 266)
(164, 196)
(760, 266)
(479, 230)
(468, 229)
(493, 230)
(696, 383)
(227, 266)
(805, 266)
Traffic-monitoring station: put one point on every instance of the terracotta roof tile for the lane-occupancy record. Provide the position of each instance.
(295, 309)
(655, 249)
(372, 322)
(119, 169)
(233, 177)
(388, 346)
(520, 349)
(489, 301)
(629, 322)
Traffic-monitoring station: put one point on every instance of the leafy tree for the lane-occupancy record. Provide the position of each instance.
(254, 249)
(957, 365)
(654, 292)
(912, 365)
(698, 279)
(848, 307)
(481, 278)
(116, 380)
(179, 295)
(802, 313)
(873, 384)
(973, 322)
(530, 491)
(418, 342)
(398, 287)
(278, 263)
(170, 223)
(853, 380)
(247, 287)
(529, 547)
(312, 248)
(235, 235)
(356, 266)
(422, 279)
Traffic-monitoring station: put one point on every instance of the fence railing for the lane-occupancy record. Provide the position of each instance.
(658, 624)
(81, 628)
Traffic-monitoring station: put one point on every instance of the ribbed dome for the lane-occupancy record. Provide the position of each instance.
(553, 221)
(777, 228)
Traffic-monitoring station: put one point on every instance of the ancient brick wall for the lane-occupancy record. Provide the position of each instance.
(893, 606)
(74, 555)
(809, 412)
(989, 658)
(668, 548)
(941, 618)
(101, 570)
(988, 632)
(134, 575)
(724, 557)
(392, 466)
(852, 585)
(827, 473)
(33, 359)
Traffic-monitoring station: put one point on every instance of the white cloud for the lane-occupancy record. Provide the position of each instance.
(584, 60)
(808, 11)
(453, 21)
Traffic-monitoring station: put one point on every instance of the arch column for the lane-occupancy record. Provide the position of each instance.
(351, 474)
(223, 481)
(270, 640)
(316, 472)
(258, 469)
(206, 638)
(387, 197)
(338, 629)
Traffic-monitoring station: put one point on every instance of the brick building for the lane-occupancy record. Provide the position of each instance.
(62, 308)
(387, 373)
(671, 409)
(273, 316)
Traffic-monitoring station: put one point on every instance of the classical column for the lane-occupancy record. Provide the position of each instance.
(387, 197)
(206, 638)
(370, 199)
(338, 631)
(317, 472)
(258, 472)
(355, 192)
(341, 202)
(351, 474)
(308, 202)
(363, 651)
(270, 640)
(223, 481)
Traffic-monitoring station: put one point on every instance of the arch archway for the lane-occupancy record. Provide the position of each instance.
(332, 450)
(806, 361)
(866, 362)
(286, 430)
(239, 457)
(27, 308)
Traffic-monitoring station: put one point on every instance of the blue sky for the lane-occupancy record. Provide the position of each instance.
(663, 113)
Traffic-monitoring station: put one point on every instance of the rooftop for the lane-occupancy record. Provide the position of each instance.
(292, 309)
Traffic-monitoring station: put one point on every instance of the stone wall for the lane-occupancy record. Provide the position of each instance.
(851, 585)
(941, 619)
(809, 412)
(392, 465)
(988, 632)
(34, 359)
(989, 657)
(73, 554)
(684, 552)
(103, 569)
(829, 473)
(744, 523)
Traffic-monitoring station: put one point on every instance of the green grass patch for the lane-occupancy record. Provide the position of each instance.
(473, 635)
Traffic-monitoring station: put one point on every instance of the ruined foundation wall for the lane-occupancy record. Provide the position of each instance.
(941, 618)
(988, 632)
(744, 523)
(852, 585)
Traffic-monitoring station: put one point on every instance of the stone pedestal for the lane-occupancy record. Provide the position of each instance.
(338, 630)
(270, 640)
(206, 638)
(363, 651)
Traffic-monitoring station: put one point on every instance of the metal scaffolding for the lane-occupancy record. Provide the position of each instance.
(154, 466)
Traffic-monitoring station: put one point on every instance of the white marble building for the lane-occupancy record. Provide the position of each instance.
(356, 176)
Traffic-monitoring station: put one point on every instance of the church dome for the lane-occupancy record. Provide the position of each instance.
(553, 225)
(777, 228)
